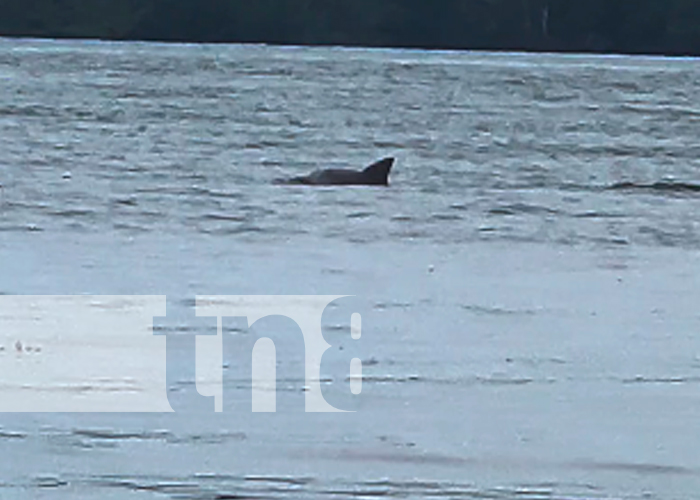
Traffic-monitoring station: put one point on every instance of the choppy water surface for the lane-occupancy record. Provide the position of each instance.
(528, 282)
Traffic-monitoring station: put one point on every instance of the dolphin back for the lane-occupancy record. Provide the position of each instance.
(378, 172)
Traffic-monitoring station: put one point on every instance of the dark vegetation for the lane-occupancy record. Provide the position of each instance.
(620, 26)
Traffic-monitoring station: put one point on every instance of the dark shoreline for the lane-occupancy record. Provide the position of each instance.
(626, 27)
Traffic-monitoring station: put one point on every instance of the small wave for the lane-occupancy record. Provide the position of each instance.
(419, 458)
(73, 212)
(387, 379)
(637, 468)
(230, 231)
(666, 110)
(29, 110)
(595, 214)
(7, 435)
(133, 228)
(360, 215)
(117, 435)
(459, 206)
(111, 438)
(498, 311)
(640, 379)
(330, 270)
(522, 208)
(336, 328)
(657, 187)
(32, 228)
(208, 438)
(462, 381)
(220, 486)
(224, 217)
(381, 306)
(668, 238)
(97, 386)
(130, 201)
(49, 482)
(445, 217)
(505, 380)
(292, 480)
(234, 195)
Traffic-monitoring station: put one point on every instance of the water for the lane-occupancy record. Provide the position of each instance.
(528, 281)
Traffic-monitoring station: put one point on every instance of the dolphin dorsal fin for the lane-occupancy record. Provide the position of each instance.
(378, 172)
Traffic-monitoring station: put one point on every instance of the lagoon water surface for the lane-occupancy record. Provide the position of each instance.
(528, 282)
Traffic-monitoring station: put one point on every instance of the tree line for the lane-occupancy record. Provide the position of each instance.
(609, 26)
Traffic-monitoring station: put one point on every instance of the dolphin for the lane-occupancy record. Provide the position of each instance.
(377, 174)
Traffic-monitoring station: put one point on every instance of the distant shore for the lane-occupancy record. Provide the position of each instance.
(653, 27)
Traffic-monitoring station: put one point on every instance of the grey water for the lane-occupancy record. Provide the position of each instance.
(528, 281)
